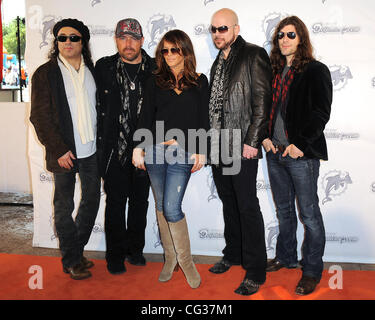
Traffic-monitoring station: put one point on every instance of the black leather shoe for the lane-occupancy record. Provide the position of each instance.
(78, 272)
(87, 264)
(116, 268)
(136, 260)
(222, 266)
(306, 285)
(275, 265)
(247, 287)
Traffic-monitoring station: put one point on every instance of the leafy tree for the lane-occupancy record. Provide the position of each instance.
(10, 37)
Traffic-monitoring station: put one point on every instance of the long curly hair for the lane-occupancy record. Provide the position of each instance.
(164, 77)
(86, 52)
(304, 52)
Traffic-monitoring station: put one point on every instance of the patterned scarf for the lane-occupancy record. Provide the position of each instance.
(216, 109)
(280, 86)
(124, 117)
(216, 98)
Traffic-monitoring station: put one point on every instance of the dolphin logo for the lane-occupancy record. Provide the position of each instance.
(155, 229)
(336, 183)
(272, 231)
(270, 22)
(212, 187)
(340, 76)
(159, 25)
(95, 2)
(208, 1)
(47, 28)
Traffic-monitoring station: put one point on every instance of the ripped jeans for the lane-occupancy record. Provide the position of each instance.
(169, 168)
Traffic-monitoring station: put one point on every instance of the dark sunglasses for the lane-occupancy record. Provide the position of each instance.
(221, 29)
(72, 38)
(291, 35)
(164, 52)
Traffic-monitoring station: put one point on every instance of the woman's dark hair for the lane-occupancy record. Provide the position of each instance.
(304, 52)
(164, 76)
(86, 53)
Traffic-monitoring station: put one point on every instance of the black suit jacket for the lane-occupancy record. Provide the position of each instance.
(308, 110)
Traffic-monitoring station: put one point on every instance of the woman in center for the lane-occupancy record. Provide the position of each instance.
(176, 100)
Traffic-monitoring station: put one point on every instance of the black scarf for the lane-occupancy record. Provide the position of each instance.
(125, 113)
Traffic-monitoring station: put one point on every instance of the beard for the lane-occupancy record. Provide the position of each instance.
(224, 45)
(130, 54)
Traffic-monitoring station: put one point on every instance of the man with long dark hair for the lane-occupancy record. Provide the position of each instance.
(121, 83)
(302, 97)
(63, 112)
(240, 101)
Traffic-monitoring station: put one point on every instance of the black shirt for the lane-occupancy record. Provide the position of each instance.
(187, 110)
(133, 74)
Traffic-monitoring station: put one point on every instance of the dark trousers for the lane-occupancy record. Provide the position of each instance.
(244, 226)
(290, 179)
(122, 185)
(74, 234)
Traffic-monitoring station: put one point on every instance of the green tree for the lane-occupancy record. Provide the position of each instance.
(10, 37)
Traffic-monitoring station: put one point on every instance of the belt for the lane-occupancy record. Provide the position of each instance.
(281, 149)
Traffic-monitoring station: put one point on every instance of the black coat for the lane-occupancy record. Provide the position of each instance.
(247, 95)
(109, 104)
(50, 113)
(308, 110)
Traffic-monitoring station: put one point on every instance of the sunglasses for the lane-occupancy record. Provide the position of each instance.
(164, 52)
(72, 38)
(291, 35)
(221, 29)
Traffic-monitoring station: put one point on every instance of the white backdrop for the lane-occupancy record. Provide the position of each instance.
(342, 33)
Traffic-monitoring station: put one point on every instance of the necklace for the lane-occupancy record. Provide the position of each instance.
(132, 83)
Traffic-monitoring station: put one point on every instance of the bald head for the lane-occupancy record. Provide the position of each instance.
(227, 15)
(224, 24)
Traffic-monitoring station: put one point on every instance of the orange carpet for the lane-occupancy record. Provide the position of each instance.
(141, 283)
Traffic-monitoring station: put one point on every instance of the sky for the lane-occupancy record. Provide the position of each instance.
(11, 9)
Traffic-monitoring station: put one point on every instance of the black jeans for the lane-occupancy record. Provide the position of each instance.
(243, 220)
(74, 234)
(123, 184)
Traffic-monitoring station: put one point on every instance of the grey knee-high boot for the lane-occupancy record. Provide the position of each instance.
(170, 258)
(181, 240)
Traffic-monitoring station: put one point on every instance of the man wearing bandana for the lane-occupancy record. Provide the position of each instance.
(121, 83)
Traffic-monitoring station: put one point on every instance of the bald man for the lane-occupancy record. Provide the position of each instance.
(240, 101)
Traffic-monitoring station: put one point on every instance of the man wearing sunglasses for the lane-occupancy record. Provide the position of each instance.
(240, 101)
(63, 112)
(121, 84)
(302, 97)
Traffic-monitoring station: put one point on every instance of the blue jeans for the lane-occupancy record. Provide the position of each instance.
(169, 169)
(74, 234)
(291, 178)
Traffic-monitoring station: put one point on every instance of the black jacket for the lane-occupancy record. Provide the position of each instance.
(50, 113)
(247, 92)
(109, 104)
(308, 109)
